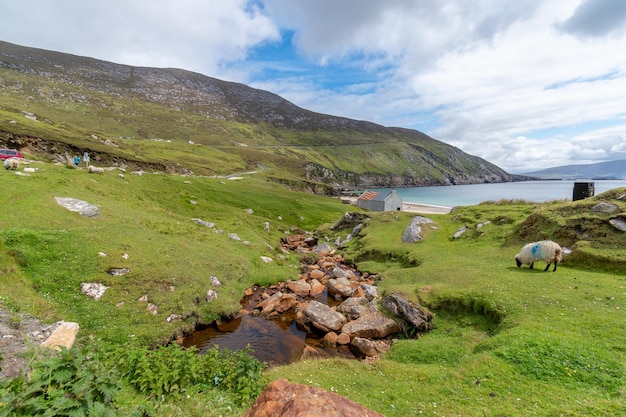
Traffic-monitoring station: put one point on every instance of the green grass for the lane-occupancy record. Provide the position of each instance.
(506, 340)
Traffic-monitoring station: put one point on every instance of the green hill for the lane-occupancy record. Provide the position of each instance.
(176, 120)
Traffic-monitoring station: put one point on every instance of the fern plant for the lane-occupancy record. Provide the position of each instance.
(72, 383)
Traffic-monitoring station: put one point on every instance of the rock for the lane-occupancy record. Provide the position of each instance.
(215, 281)
(63, 335)
(482, 224)
(93, 289)
(370, 348)
(414, 315)
(311, 352)
(341, 286)
(269, 304)
(353, 307)
(211, 295)
(343, 339)
(286, 303)
(317, 274)
(369, 291)
(300, 288)
(143, 298)
(371, 325)
(153, 309)
(81, 207)
(323, 317)
(413, 232)
(460, 232)
(266, 259)
(203, 223)
(603, 207)
(282, 398)
(619, 223)
(118, 272)
(331, 338)
(323, 249)
(173, 317)
(317, 287)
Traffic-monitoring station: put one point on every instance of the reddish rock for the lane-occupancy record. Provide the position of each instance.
(287, 302)
(284, 399)
(268, 305)
(316, 287)
(300, 288)
(343, 339)
(331, 338)
(316, 274)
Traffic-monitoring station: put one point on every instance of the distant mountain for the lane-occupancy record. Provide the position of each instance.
(599, 171)
(181, 121)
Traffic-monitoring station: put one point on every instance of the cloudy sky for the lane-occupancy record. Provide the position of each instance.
(525, 84)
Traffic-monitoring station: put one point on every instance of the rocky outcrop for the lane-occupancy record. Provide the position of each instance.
(285, 399)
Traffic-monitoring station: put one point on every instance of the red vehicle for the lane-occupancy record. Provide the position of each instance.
(10, 153)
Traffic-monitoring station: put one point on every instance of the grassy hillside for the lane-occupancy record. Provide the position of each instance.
(507, 340)
(189, 122)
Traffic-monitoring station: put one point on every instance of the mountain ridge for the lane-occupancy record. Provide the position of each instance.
(608, 170)
(85, 98)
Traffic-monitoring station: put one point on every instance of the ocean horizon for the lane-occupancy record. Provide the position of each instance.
(469, 195)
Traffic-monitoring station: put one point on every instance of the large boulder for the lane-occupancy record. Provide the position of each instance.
(285, 399)
(416, 316)
(323, 317)
(371, 325)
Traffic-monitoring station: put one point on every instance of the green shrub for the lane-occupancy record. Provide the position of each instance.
(72, 383)
(169, 371)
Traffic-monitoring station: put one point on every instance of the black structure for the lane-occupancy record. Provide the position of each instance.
(583, 190)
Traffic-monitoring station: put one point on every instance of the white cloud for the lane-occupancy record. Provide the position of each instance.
(525, 84)
(199, 35)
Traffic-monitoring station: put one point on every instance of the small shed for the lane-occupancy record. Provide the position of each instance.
(380, 201)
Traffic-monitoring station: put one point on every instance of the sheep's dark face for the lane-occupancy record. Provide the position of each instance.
(518, 262)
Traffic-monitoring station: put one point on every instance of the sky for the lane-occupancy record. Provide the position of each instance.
(524, 84)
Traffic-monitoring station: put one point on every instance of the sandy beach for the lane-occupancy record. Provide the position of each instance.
(425, 208)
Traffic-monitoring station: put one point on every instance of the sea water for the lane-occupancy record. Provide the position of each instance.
(468, 195)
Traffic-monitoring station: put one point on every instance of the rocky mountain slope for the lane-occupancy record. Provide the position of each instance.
(187, 122)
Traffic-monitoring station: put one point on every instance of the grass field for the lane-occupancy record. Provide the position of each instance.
(507, 341)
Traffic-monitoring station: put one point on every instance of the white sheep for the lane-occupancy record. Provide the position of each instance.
(95, 170)
(546, 250)
(11, 163)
